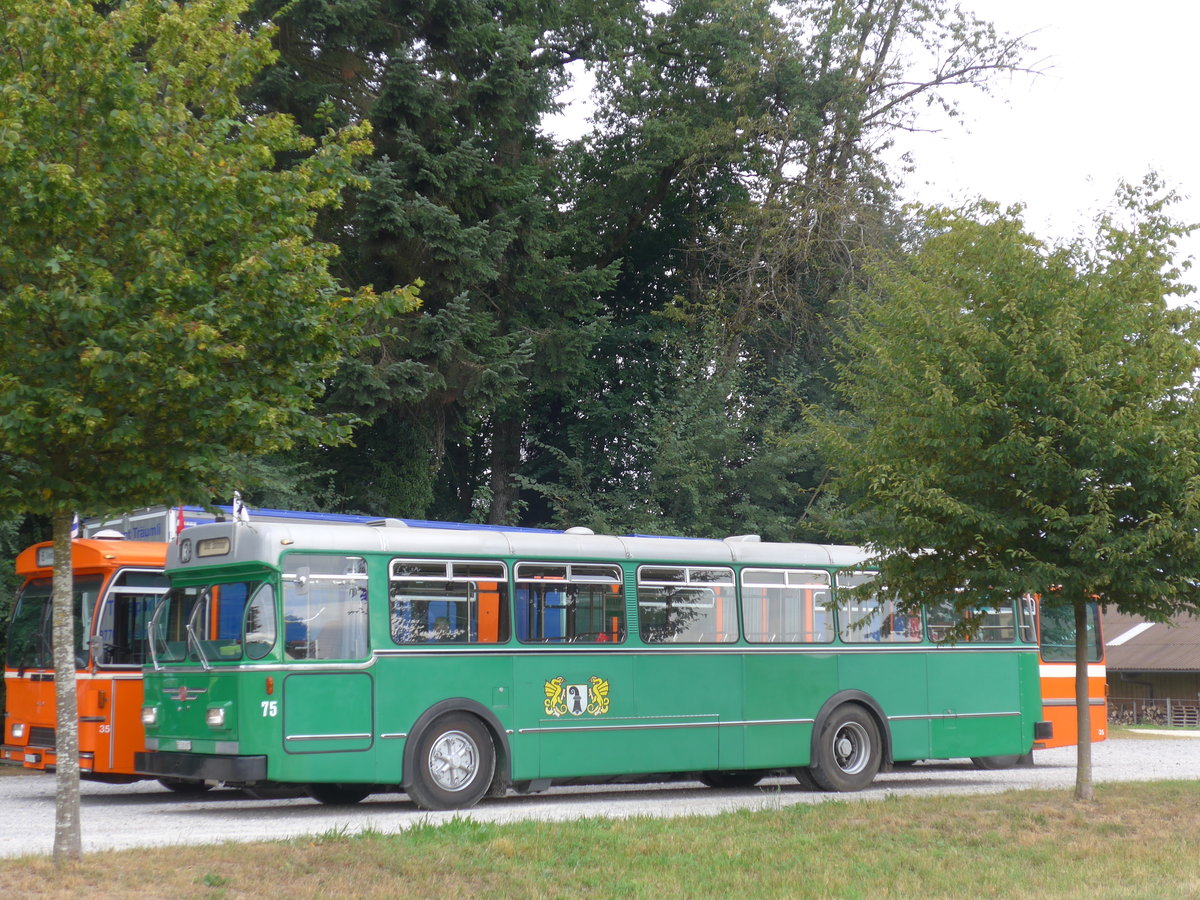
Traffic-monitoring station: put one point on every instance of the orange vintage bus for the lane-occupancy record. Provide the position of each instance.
(1056, 643)
(117, 584)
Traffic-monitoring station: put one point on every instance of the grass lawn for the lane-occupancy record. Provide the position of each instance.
(1136, 841)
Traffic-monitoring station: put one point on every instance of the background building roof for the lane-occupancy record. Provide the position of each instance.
(1134, 644)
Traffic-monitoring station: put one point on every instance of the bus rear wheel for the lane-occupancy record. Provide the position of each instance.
(847, 754)
(454, 763)
(1002, 762)
(338, 794)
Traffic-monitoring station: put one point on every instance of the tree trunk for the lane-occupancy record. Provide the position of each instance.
(505, 461)
(68, 845)
(1084, 791)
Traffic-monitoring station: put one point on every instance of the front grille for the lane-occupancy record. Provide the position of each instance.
(41, 736)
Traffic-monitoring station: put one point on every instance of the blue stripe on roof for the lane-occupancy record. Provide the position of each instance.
(347, 519)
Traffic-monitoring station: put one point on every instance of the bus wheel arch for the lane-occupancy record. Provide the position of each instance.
(456, 732)
(850, 743)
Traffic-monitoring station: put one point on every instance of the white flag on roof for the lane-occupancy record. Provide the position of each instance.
(240, 513)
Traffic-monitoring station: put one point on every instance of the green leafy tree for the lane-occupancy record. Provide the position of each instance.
(737, 176)
(163, 301)
(1026, 421)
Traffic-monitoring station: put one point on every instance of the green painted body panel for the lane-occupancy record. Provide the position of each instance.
(587, 710)
(328, 712)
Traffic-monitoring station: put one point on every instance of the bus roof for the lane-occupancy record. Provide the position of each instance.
(90, 553)
(267, 540)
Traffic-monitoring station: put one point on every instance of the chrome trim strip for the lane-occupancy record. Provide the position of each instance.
(399, 736)
(689, 650)
(657, 726)
(933, 717)
(326, 737)
(649, 726)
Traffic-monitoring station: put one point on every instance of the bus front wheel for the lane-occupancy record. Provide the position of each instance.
(455, 761)
(182, 786)
(847, 754)
(338, 794)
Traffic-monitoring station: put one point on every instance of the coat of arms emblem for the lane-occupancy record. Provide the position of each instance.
(589, 698)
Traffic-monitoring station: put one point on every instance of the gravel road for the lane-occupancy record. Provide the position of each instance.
(144, 814)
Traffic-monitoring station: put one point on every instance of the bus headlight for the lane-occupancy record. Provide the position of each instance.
(18, 730)
(150, 716)
(215, 717)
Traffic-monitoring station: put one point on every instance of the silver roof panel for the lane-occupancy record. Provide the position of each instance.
(267, 540)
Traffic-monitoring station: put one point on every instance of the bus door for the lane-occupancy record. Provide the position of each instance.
(574, 685)
(328, 695)
(688, 683)
(110, 698)
(988, 715)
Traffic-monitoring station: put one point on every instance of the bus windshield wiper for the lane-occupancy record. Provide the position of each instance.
(192, 640)
(152, 631)
(194, 643)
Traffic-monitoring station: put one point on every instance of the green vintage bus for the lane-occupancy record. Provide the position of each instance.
(454, 664)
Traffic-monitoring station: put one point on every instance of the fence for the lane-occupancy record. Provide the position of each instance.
(1164, 711)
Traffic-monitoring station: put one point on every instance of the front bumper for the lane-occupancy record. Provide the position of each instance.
(201, 766)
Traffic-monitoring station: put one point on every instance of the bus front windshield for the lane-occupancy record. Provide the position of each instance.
(217, 622)
(30, 634)
(120, 639)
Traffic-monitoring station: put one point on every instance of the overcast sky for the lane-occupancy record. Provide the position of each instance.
(1115, 101)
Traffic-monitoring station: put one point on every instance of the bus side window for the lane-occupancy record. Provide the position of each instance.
(987, 624)
(576, 603)
(325, 607)
(455, 602)
(874, 619)
(786, 606)
(681, 604)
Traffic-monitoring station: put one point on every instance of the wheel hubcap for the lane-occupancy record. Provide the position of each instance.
(453, 760)
(851, 748)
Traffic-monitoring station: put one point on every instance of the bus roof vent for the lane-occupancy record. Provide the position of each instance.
(388, 523)
(743, 539)
(108, 534)
(578, 529)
